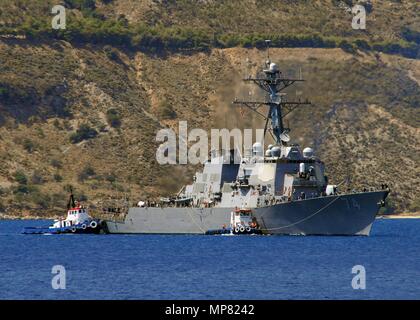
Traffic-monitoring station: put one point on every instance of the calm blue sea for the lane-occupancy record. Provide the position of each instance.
(211, 267)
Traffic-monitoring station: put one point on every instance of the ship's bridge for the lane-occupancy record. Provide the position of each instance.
(284, 171)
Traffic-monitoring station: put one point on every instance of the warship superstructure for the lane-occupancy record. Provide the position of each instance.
(284, 187)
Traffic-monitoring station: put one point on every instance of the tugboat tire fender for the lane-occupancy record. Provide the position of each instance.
(73, 229)
(236, 229)
(248, 229)
(93, 224)
(242, 229)
(84, 226)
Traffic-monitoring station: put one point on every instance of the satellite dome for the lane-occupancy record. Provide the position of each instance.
(275, 151)
(268, 153)
(308, 152)
(273, 67)
(270, 146)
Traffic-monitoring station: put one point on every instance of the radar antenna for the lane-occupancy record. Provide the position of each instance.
(273, 82)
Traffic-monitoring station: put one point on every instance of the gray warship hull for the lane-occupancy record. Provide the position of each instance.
(347, 214)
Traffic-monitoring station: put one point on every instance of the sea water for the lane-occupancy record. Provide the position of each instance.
(211, 267)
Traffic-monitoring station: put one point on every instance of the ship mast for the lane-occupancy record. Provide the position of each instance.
(272, 82)
(71, 203)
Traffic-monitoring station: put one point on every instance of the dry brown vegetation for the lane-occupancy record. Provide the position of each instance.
(86, 114)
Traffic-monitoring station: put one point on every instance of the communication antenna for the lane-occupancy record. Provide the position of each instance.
(267, 42)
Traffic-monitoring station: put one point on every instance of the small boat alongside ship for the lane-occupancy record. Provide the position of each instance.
(78, 220)
(241, 223)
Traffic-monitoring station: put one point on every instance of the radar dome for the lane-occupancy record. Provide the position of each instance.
(257, 149)
(270, 146)
(273, 67)
(308, 152)
(268, 153)
(275, 151)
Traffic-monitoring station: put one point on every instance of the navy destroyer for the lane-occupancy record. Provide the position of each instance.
(283, 187)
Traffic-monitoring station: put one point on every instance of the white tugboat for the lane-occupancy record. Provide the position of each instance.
(78, 220)
(241, 222)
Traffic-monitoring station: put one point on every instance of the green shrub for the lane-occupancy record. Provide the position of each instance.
(28, 145)
(415, 205)
(56, 163)
(410, 35)
(111, 53)
(57, 124)
(40, 199)
(346, 46)
(59, 200)
(165, 111)
(57, 177)
(24, 189)
(37, 178)
(20, 177)
(67, 125)
(86, 173)
(111, 178)
(4, 92)
(113, 118)
(40, 132)
(82, 197)
(388, 208)
(84, 132)
(80, 4)
(362, 44)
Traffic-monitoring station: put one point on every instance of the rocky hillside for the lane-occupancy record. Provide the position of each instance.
(86, 113)
(392, 26)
